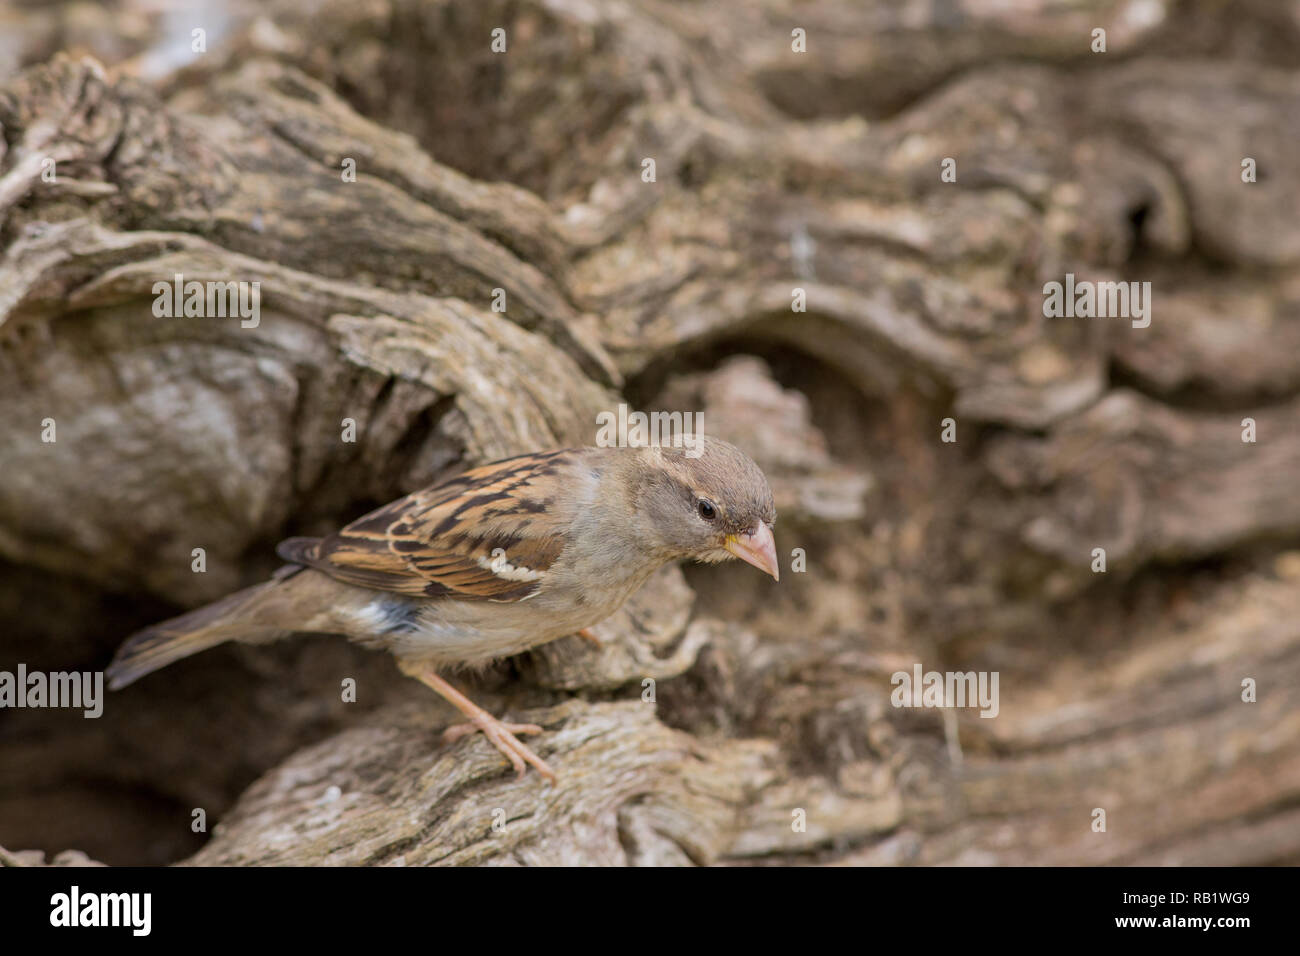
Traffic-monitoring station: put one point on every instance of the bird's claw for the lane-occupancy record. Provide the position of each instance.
(501, 734)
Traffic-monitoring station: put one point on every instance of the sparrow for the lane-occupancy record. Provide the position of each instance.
(495, 561)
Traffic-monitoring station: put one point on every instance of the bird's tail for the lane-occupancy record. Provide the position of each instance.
(162, 644)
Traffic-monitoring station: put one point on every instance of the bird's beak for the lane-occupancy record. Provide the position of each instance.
(758, 547)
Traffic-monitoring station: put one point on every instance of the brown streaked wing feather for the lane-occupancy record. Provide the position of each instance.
(431, 543)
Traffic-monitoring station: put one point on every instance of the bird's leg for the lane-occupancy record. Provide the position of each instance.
(589, 635)
(501, 734)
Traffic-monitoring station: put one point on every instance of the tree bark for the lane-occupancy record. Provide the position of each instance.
(721, 711)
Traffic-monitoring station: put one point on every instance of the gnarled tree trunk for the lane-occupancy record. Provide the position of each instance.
(721, 710)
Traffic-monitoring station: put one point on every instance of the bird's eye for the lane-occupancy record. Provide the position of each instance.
(707, 511)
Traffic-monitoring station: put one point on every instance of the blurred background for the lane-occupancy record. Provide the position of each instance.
(827, 226)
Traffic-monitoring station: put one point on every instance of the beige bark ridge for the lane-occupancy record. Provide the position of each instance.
(724, 719)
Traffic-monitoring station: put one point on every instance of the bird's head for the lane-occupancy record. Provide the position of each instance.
(711, 507)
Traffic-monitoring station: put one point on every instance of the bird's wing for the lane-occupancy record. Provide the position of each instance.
(490, 534)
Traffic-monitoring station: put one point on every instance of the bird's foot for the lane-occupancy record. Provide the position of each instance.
(502, 736)
(456, 731)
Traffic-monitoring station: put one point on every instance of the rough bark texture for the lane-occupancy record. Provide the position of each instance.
(775, 171)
